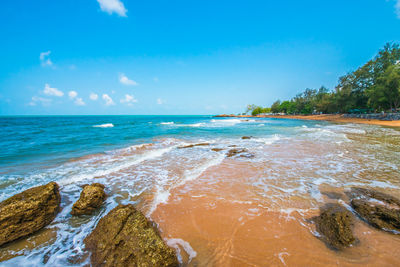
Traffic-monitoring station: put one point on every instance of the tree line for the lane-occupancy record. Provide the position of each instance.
(373, 87)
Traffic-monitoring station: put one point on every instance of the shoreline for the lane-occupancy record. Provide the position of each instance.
(325, 117)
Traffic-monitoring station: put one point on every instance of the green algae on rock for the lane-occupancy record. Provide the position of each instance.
(335, 224)
(124, 237)
(380, 210)
(91, 198)
(28, 211)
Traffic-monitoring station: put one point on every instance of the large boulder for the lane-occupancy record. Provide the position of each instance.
(335, 224)
(91, 198)
(378, 209)
(124, 237)
(28, 212)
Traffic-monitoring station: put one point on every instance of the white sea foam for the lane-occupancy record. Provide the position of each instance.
(226, 122)
(105, 125)
(167, 123)
(268, 140)
(200, 124)
(162, 195)
(176, 242)
(118, 167)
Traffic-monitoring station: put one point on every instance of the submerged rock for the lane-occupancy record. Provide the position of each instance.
(124, 237)
(193, 145)
(246, 137)
(235, 151)
(28, 212)
(378, 209)
(335, 224)
(91, 198)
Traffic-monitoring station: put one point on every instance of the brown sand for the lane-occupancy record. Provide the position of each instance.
(324, 117)
(224, 230)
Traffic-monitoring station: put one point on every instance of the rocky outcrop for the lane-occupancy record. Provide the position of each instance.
(335, 224)
(91, 198)
(246, 137)
(378, 209)
(124, 237)
(216, 149)
(193, 145)
(28, 212)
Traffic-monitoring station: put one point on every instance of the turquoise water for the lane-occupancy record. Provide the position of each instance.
(140, 160)
(29, 143)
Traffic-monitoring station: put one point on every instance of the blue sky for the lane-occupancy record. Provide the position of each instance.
(180, 56)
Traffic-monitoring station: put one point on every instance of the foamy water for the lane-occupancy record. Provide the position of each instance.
(252, 209)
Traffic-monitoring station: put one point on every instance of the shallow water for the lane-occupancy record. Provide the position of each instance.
(252, 209)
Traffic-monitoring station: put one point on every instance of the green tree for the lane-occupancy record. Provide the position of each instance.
(275, 108)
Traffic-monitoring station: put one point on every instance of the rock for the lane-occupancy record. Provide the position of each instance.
(28, 212)
(235, 151)
(335, 224)
(91, 198)
(217, 149)
(333, 195)
(193, 145)
(246, 137)
(378, 209)
(124, 237)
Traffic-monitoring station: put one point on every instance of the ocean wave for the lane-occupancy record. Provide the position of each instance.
(105, 125)
(152, 154)
(167, 123)
(268, 140)
(177, 243)
(163, 191)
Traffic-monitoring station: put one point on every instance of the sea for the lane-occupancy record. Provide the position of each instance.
(216, 198)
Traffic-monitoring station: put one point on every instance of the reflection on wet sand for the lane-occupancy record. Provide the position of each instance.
(228, 231)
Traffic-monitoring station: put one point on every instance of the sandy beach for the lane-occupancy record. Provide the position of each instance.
(325, 117)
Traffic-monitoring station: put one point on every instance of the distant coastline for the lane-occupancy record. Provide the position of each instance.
(324, 117)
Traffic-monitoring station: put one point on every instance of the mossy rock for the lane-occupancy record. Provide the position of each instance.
(124, 237)
(335, 224)
(235, 151)
(28, 211)
(380, 210)
(91, 198)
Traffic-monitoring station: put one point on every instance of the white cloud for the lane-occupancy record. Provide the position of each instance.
(42, 100)
(45, 59)
(79, 101)
(108, 100)
(72, 94)
(129, 99)
(160, 101)
(94, 96)
(125, 80)
(111, 6)
(52, 91)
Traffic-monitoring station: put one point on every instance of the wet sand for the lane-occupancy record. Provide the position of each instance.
(325, 117)
(226, 229)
